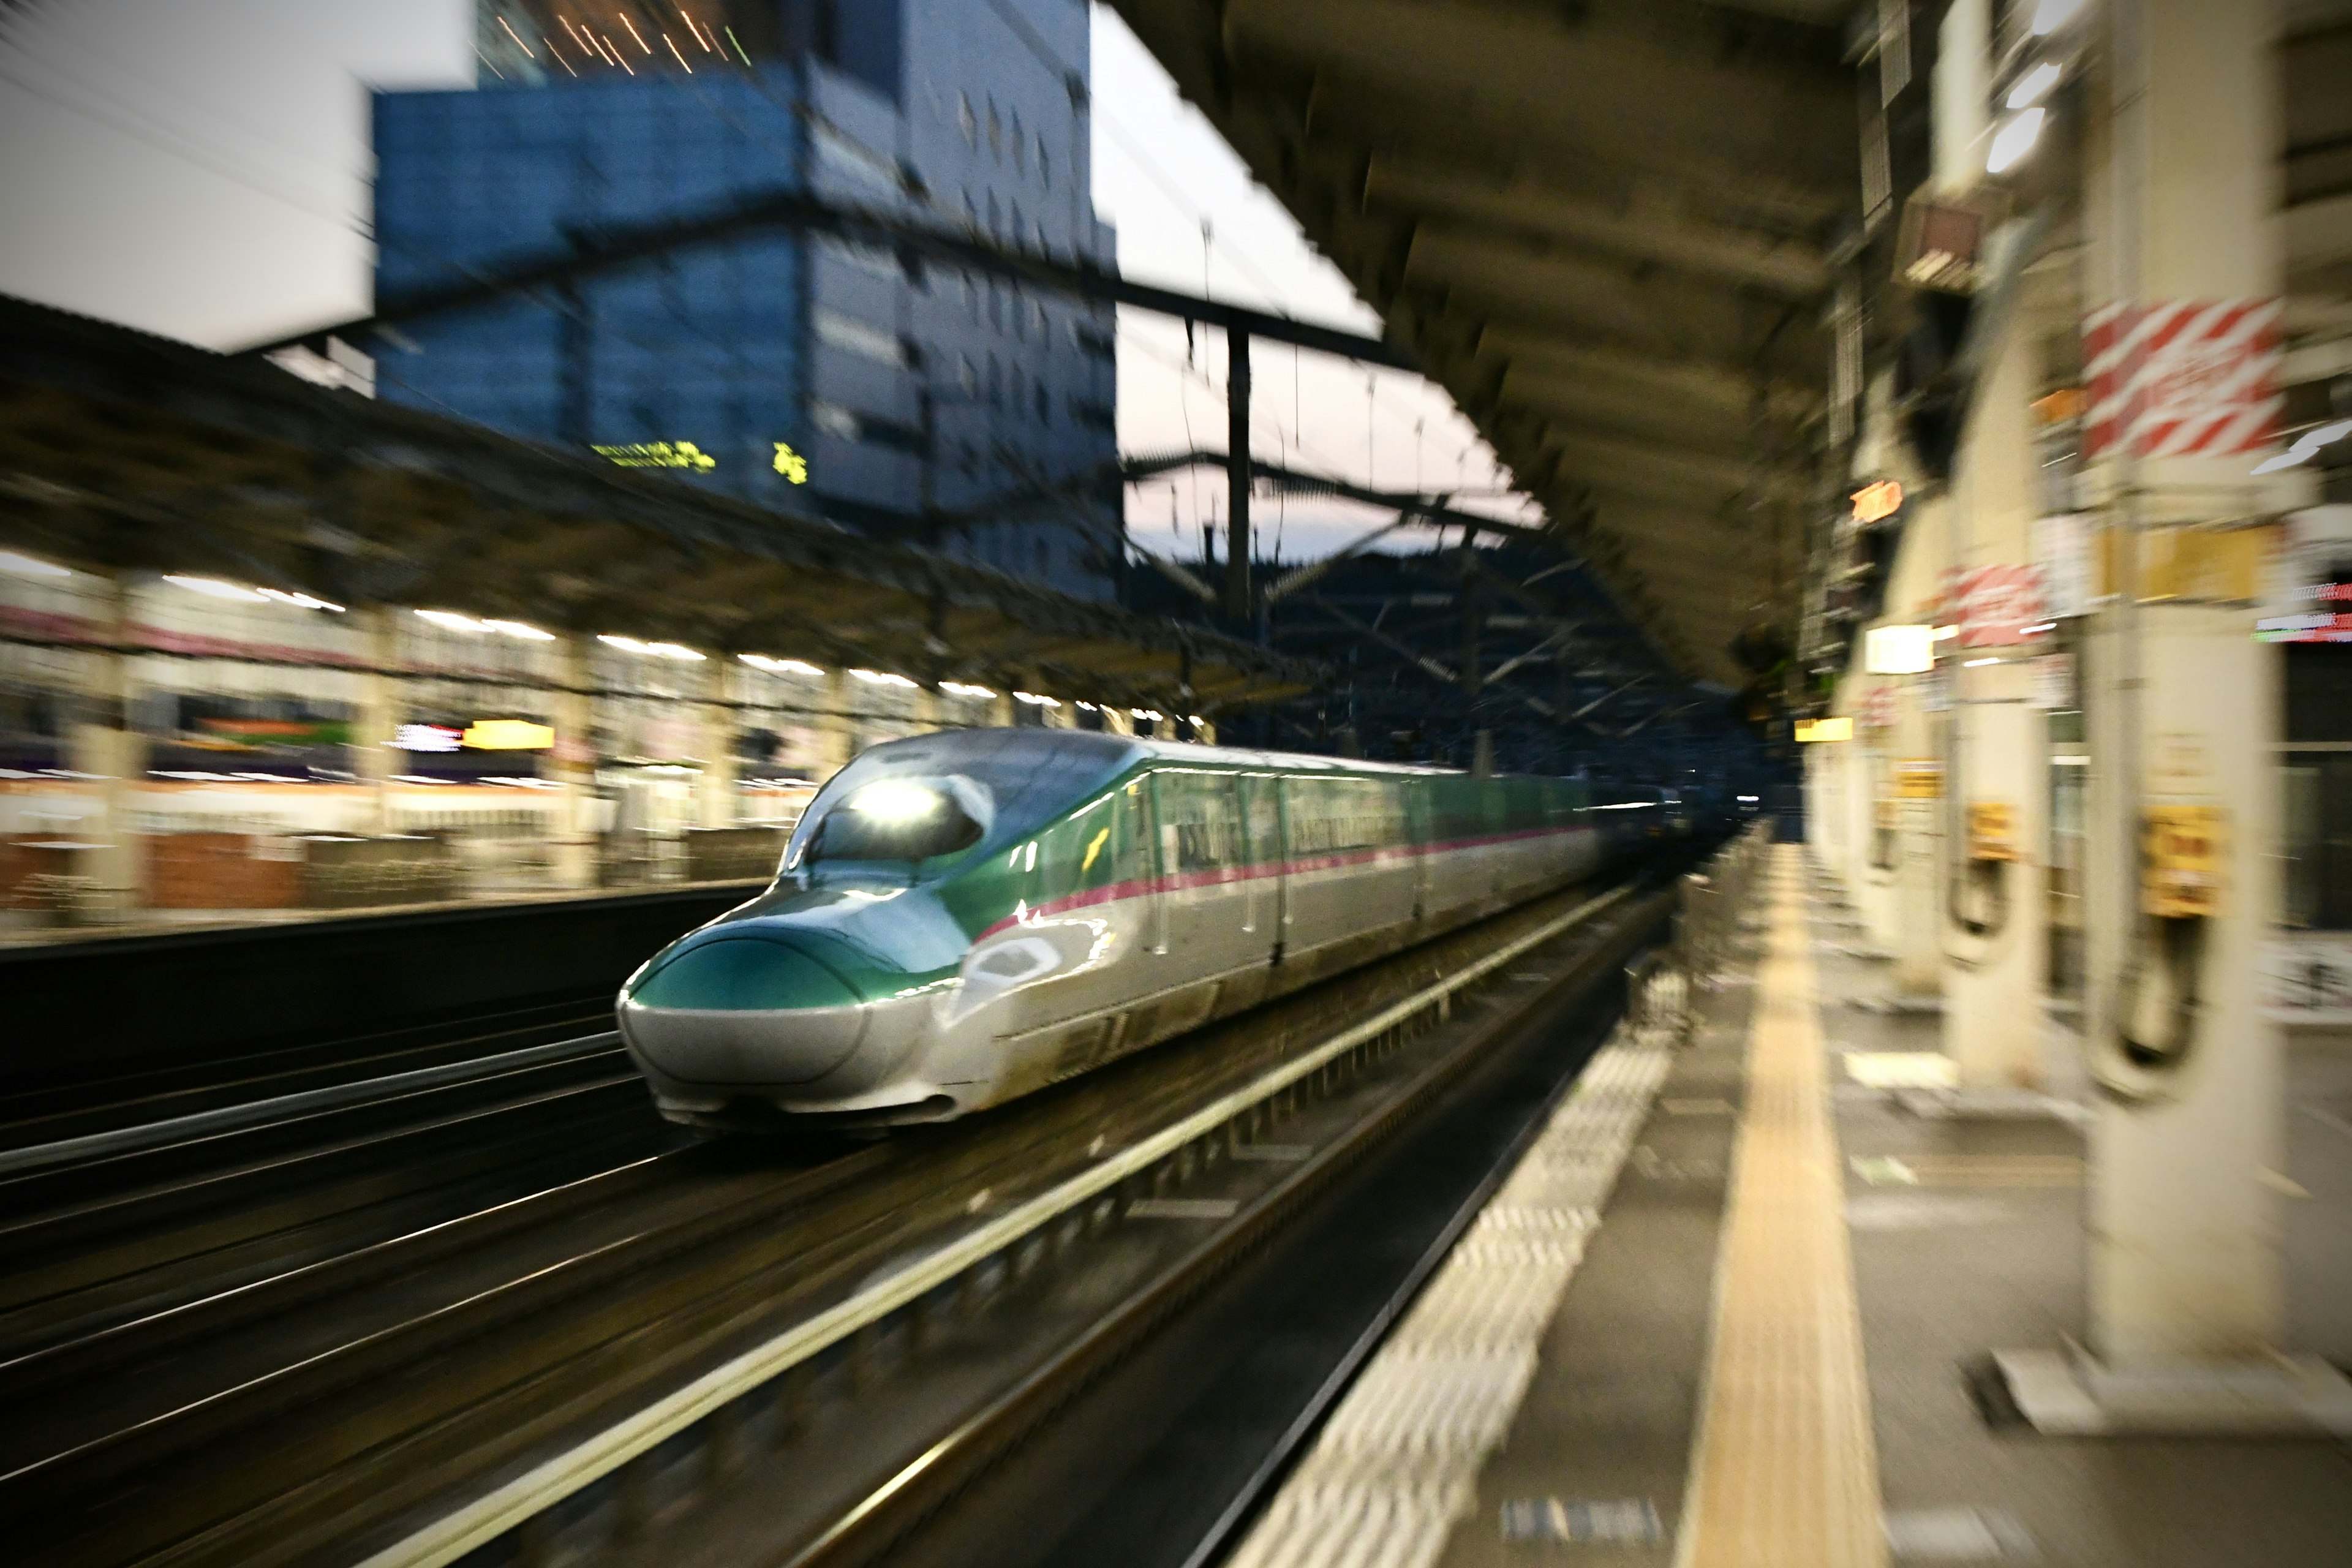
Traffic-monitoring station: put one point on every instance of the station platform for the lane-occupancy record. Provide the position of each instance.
(1735, 1306)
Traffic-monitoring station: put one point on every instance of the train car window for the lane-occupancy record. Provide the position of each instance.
(893, 820)
(1200, 821)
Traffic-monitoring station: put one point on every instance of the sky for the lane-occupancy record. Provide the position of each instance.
(200, 169)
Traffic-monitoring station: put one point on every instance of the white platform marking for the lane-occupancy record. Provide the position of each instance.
(1397, 1465)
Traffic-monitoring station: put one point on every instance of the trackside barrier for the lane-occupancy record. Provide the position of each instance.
(969, 1265)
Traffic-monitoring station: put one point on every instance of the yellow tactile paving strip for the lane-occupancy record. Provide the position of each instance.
(1786, 1471)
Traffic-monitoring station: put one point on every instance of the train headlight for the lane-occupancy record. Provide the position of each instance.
(896, 801)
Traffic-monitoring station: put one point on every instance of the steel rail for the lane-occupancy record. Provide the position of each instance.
(227, 1119)
(486, 1517)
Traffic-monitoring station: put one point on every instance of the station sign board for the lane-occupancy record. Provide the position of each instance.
(1918, 778)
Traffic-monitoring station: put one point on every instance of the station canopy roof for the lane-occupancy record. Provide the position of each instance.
(1607, 227)
(120, 451)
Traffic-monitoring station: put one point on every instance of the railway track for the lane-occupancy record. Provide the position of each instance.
(555, 1362)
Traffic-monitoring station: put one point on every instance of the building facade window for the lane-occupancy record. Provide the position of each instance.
(853, 336)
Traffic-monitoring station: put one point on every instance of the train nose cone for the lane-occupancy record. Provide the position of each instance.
(743, 1006)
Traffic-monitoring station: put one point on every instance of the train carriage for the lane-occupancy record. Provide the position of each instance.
(964, 917)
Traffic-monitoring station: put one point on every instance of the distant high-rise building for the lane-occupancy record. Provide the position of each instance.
(909, 400)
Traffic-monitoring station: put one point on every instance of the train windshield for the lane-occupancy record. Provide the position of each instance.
(899, 820)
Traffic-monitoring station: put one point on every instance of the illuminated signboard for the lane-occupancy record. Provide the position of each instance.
(1813, 731)
(790, 464)
(1877, 502)
(658, 455)
(425, 738)
(1898, 651)
(508, 736)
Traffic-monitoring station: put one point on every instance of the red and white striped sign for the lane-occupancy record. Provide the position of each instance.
(2183, 378)
(1994, 606)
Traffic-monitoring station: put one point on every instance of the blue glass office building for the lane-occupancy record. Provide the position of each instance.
(913, 403)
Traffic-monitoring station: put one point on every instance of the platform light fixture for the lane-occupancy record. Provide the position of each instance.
(299, 600)
(213, 587)
(779, 665)
(881, 678)
(678, 651)
(519, 632)
(966, 688)
(2014, 140)
(1035, 701)
(2033, 86)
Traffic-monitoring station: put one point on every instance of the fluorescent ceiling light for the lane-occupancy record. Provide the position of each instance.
(1035, 701)
(517, 629)
(880, 678)
(15, 565)
(2014, 141)
(965, 688)
(774, 665)
(678, 651)
(299, 600)
(2033, 86)
(216, 588)
(452, 620)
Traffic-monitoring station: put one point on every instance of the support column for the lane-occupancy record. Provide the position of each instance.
(372, 758)
(716, 788)
(1238, 474)
(2185, 1276)
(836, 729)
(104, 746)
(1916, 878)
(573, 765)
(1995, 932)
(1994, 904)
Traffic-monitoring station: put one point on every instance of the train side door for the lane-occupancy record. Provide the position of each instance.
(1203, 894)
(1262, 858)
(1417, 840)
(1139, 852)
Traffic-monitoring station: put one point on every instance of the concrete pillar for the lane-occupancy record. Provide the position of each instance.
(1994, 916)
(372, 758)
(2185, 1277)
(2185, 1216)
(112, 757)
(717, 787)
(1866, 880)
(1994, 903)
(1915, 882)
(837, 731)
(573, 765)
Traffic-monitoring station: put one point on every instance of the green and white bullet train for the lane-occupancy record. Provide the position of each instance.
(964, 917)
